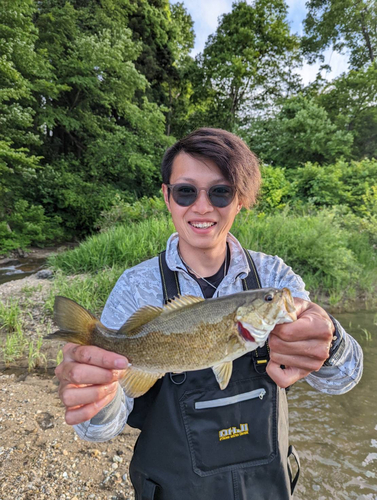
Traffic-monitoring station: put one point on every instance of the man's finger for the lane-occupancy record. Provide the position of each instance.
(78, 373)
(77, 396)
(300, 362)
(285, 377)
(312, 348)
(306, 327)
(86, 412)
(92, 355)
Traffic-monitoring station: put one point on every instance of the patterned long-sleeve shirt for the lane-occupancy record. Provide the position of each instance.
(141, 286)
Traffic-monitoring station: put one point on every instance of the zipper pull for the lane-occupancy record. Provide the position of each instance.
(262, 393)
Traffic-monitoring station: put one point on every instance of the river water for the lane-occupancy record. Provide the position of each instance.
(20, 268)
(336, 436)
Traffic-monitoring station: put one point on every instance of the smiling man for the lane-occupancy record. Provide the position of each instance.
(198, 442)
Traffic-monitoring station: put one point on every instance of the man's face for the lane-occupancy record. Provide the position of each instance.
(201, 173)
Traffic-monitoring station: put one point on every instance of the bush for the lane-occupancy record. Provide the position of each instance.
(28, 225)
(123, 212)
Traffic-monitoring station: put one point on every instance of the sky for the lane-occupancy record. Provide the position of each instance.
(205, 15)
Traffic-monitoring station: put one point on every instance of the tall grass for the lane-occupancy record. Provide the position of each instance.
(333, 257)
(314, 245)
(122, 246)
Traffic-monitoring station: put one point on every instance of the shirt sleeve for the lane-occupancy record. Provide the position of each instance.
(347, 367)
(111, 420)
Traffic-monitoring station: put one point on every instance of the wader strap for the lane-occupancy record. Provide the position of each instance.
(251, 282)
(169, 278)
(293, 452)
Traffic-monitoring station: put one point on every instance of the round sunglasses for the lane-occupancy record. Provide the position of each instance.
(219, 195)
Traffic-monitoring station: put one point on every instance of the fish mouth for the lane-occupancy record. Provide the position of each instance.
(289, 304)
(244, 332)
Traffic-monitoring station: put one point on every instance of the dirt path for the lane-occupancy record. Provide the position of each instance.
(40, 456)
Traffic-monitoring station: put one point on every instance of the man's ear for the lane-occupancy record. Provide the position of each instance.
(239, 206)
(165, 191)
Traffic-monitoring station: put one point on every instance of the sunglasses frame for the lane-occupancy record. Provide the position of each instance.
(172, 187)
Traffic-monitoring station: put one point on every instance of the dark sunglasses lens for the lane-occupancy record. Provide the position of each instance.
(221, 196)
(184, 194)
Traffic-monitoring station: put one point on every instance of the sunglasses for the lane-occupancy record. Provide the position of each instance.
(185, 195)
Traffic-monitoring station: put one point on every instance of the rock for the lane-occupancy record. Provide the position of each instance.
(44, 274)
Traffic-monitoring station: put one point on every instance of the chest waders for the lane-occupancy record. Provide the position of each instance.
(199, 442)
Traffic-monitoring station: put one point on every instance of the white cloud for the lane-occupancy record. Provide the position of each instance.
(338, 63)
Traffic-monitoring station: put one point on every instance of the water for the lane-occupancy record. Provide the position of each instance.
(20, 268)
(336, 436)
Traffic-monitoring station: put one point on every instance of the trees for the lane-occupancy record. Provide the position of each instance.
(300, 132)
(102, 135)
(248, 60)
(25, 76)
(346, 25)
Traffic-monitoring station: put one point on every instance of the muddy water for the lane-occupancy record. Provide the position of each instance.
(336, 436)
(20, 268)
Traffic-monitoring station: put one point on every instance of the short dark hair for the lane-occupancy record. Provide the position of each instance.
(237, 163)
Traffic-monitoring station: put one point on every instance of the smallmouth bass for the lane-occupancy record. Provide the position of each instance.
(189, 333)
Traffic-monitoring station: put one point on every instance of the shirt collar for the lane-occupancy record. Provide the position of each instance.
(239, 266)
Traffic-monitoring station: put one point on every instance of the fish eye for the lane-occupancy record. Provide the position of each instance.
(269, 297)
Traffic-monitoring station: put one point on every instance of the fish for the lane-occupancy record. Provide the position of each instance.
(188, 333)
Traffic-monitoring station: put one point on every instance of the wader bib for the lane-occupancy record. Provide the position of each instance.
(199, 442)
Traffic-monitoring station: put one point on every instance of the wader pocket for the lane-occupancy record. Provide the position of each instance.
(233, 428)
(149, 490)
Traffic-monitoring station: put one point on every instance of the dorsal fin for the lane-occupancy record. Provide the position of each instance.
(138, 319)
(181, 301)
(147, 313)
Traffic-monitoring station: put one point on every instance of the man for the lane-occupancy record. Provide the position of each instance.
(183, 451)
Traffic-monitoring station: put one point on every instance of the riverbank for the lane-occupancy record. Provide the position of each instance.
(40, 456)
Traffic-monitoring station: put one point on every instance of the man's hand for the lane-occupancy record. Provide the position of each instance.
(302, 346)
(88, 379)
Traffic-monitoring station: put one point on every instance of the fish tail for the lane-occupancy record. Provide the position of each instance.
(75, 323)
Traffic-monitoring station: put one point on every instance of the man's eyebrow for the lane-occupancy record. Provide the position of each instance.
(193, 181)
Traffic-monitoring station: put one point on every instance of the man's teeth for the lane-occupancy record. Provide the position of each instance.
(202, 225)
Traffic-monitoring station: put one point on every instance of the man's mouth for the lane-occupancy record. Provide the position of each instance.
(202, 225)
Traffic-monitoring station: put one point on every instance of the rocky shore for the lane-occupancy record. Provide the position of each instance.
(40, 456)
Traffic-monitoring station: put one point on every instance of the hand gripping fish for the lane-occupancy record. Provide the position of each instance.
(189, 333)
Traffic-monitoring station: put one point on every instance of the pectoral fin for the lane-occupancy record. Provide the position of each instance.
(223, 373)
(136, 382)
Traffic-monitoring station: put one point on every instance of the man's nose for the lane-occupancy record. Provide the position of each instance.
(202, 203)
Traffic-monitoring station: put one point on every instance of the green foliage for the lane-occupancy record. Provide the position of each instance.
(26, 225)
(89, 290)
(122, 212)
(121, 246)
(350, 102)
(330, 249)
(301, 131)
(344, 25)
(245, 62)
(276, 189)
(350, 184)
(315, 246)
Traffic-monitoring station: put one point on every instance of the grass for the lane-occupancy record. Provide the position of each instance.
(10, 316)
(122, 246)
(35, 356)
(335, 258)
